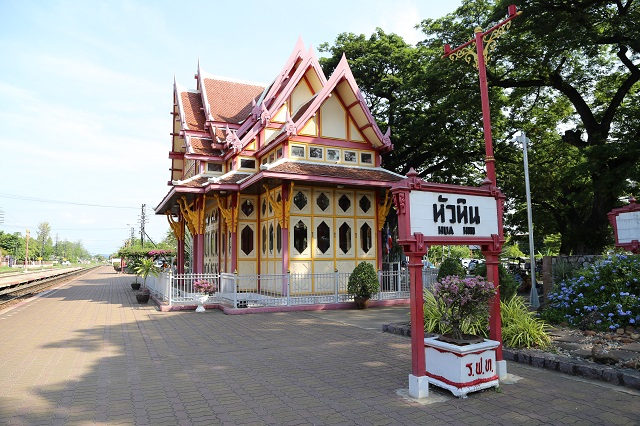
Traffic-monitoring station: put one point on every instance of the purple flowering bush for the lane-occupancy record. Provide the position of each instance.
(204, 286)
(603, 296)
(462, 301)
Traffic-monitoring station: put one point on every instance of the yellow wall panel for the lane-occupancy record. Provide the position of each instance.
(281, 115)
(333, 119)
(310, 129)
(299, 96)
(354, 133)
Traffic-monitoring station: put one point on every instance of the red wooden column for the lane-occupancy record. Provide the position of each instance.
(199, 207)
(414, 247)
(287, 195)
(235, 201)
(492, 261)
(417, 307)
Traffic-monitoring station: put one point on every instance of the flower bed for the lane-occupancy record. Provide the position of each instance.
(604, 296)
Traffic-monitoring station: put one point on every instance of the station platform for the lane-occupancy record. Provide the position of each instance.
(19, 277)
(88, 353)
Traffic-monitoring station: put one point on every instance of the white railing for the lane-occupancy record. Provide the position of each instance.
(279, 290)
(429, 278)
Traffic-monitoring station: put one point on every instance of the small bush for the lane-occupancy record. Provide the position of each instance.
(433, 319)
(508, 285)
(562, 270)
(451, 266)
(603, 296)
(363, 281)
(520, 327)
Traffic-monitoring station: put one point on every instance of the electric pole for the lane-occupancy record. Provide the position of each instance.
(143, 220)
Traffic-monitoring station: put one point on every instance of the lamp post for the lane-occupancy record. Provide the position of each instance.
(484, 42)
(534, 301)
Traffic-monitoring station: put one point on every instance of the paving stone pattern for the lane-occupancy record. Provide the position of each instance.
(88, 353)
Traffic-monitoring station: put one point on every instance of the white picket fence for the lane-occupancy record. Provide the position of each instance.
(278, 290)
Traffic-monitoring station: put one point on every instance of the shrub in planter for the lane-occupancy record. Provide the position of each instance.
(463, 299)
(433, 319)
(145, 268)
(143, 295)
(451, 266)
(363, 281)
(520, 327)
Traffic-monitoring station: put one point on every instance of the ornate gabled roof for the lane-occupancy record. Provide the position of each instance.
(191, 105)
(230, 101)
(224, 116)
(307, 62)
(343, 82)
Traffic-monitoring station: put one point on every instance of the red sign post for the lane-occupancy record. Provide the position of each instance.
(446, 215)
(484, 43)
(416, 244)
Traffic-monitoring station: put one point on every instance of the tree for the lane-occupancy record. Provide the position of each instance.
(43, 236)
(565, 72)
(12, 244)
(569, 74)
(169, 241)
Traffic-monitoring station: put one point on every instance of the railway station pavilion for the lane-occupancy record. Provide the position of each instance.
(276, 178)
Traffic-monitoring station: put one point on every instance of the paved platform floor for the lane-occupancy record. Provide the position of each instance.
(87, 353)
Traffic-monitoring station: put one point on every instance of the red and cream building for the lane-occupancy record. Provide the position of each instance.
(276, 178)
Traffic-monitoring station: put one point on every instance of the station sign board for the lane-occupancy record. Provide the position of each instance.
(626, 226)
(441, 214)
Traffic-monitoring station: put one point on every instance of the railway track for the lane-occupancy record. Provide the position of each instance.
(11, 295)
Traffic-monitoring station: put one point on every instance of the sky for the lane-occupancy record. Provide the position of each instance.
(86, 93)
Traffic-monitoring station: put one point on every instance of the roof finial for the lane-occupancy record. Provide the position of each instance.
(290, 126)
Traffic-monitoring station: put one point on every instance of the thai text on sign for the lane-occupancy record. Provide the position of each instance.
(459, 215)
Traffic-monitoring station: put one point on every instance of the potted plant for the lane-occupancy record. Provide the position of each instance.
(143, 295)
(462, 300)
(363, 283)
(456, 361)
(145, 268)
(135, 285)
(203, 289)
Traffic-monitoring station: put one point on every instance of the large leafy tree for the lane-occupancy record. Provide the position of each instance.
(566, 72)
(12, 244)
(569, 70)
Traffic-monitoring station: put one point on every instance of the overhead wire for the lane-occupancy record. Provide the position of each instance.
(42, 200)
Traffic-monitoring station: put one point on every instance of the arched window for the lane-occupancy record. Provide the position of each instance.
(365, 238)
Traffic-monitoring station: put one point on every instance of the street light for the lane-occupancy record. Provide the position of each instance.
(534, 301)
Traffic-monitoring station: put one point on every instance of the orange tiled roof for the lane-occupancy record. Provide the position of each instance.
(196, 183)
(233, 177)
(354, 173)
(194, 115)
(230, 101)
(202, 146)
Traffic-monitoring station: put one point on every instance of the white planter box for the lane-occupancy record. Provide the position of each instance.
(461, 369)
